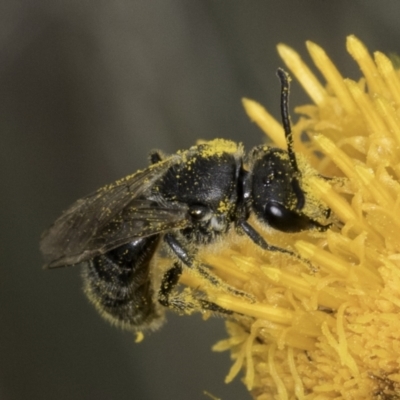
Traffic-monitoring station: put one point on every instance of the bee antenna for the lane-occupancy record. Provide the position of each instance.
(284, 78)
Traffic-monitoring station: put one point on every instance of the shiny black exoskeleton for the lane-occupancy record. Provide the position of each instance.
(179, 203)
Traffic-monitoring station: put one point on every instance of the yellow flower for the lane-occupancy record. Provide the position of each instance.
(332, 332)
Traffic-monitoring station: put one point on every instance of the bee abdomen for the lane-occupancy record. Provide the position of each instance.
(118, 283)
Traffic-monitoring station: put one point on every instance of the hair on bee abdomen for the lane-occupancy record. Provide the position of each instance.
(119, 284)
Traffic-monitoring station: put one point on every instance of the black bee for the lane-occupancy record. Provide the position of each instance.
(180, 202)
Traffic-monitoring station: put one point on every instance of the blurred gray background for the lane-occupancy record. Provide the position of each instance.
(87, 88)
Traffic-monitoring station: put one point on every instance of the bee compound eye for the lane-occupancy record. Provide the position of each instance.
(283, 219)
(276, 210)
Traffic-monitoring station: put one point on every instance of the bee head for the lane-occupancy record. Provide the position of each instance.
(277, 198)
(274, 182)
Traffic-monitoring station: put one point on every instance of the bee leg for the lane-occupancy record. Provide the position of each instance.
(256, 238)
(189, 262)
(210, 306)
(178, 302)
(246, 228)
(168, 283)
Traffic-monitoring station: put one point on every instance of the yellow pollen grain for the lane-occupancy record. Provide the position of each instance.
(218, 147)
(139, 337)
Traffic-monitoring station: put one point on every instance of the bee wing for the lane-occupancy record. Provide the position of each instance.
(111, 216)
(141, 218)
